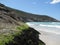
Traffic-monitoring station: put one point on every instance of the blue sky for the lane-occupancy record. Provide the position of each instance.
(43, 7)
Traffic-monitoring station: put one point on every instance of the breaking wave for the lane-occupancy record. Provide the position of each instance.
(52, 27)
(56, 26)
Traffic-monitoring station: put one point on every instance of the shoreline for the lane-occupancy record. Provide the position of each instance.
(48, 36)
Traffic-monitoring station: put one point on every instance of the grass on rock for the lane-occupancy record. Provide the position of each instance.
(7, 36)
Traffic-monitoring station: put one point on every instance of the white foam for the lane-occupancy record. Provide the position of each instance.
(57, 26)
(46, 28)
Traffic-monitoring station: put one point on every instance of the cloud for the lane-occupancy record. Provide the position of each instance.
(55, 1)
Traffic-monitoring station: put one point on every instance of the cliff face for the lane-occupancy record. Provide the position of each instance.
(9, 15)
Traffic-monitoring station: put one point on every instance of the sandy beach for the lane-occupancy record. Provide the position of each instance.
(49, 35)
(50, 38)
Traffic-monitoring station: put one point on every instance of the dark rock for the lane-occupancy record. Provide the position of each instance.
(28, 37)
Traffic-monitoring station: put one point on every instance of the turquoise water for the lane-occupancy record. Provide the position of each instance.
(45, 24)
(52, 27)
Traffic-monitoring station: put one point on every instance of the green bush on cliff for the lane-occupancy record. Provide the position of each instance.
(5, 39)
(24, 35)
(9, 36)
(28, 37)
(22, 27)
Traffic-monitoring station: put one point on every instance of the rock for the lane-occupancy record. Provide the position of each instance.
(28, 37)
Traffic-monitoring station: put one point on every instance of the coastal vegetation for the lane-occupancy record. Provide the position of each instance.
(27, 36)
(7, 35)
(21, 35)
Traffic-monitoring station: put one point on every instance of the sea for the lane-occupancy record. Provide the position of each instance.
(50, 31)
(52, 27)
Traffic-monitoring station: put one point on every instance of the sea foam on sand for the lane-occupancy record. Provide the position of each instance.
(50, 34)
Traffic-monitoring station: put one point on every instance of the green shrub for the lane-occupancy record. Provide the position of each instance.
(9, 37)
(5, 39)
(22, 27)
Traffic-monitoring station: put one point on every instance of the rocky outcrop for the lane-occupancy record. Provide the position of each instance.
(27, 37)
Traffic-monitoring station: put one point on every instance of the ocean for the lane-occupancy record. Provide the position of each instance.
(50, 31)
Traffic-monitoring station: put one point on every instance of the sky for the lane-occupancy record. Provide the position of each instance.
(41, 7)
